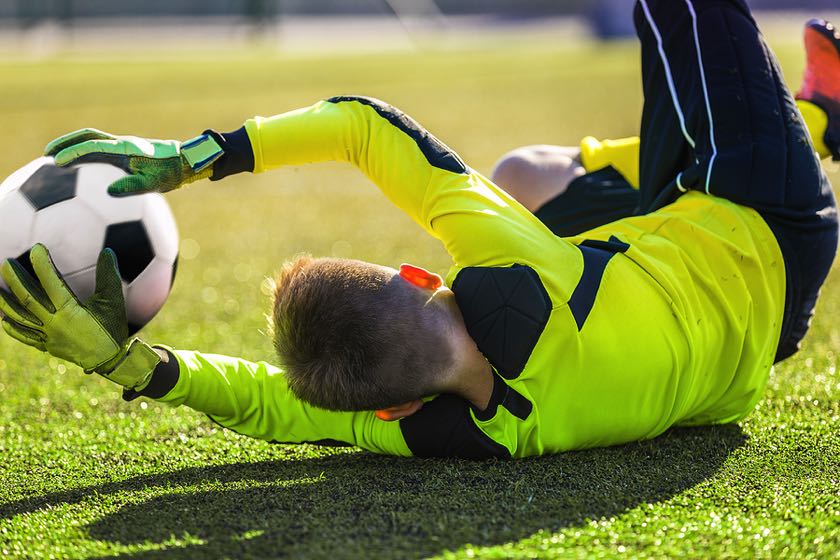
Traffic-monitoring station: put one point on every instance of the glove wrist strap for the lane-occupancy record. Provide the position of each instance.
(136, 368)
(201, 151)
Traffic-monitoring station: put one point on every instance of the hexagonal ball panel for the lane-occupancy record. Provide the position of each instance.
(50, 185)
(72, 232)
(147, 294)
(19, 177)
(132, 246)
(160, 223)
(17, 219)
(83, 283)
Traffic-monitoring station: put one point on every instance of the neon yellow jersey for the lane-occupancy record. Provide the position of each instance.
(648, 322)
(254, 399)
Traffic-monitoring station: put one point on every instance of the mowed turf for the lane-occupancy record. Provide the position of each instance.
(86, 475)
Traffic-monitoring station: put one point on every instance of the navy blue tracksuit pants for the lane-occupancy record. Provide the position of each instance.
(719, 118)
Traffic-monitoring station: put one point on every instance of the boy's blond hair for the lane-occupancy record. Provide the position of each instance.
(354, 336)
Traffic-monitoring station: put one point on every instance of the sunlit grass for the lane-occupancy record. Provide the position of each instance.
(83, 474)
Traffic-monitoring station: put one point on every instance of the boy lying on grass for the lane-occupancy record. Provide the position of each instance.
(611, 331)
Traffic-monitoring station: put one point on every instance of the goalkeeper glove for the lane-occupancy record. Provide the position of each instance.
(153, 165)
(46, 315)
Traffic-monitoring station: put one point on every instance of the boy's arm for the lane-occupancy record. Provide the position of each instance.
(253, 399)
(392, 150)
(480, 224)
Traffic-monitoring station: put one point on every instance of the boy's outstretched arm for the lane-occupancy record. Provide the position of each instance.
(386, 145)
(415, 170)
(253, 399)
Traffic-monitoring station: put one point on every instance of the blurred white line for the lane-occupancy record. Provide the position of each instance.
(297, 36)
(418, 27)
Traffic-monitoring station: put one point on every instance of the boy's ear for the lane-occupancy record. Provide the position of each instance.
(420, 277)
(399, 411)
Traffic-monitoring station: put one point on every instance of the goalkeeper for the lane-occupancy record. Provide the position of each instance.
(541, 343)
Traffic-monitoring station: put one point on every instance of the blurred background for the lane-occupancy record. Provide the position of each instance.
(41, 27)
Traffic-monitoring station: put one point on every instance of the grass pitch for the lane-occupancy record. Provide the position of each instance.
(85, 475)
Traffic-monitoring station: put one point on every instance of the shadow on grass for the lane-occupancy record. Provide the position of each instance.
(363, 505)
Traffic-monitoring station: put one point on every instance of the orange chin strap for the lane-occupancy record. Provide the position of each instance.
(420, 277)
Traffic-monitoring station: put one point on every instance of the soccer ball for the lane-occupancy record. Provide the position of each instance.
(70, 211)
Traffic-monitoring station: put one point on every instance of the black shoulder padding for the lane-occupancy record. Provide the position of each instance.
(596, 255)
(444, 428)
(505, 311)
(505, 396)
(437, 153)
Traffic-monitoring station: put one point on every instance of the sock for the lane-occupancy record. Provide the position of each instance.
(622, 155)
(817, 122)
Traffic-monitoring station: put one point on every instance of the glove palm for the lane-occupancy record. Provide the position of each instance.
(47, 315)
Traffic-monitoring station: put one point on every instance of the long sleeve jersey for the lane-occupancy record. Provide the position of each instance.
(615, 335)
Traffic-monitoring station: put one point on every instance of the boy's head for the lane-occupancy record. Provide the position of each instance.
(357, 336)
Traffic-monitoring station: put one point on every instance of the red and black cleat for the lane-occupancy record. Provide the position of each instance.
(821, 83)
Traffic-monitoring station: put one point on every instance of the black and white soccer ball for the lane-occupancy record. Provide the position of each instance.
(70, 211)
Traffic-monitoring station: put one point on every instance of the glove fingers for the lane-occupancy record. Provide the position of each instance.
(26, 289)
(11, 308)
(133, 184)
(75, 137)
(49, 277)
(107, 303)
(108, 279)
(25, 335)
(114, 152)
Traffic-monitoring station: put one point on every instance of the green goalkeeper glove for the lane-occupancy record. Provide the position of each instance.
(153, 165)
(46, 315)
